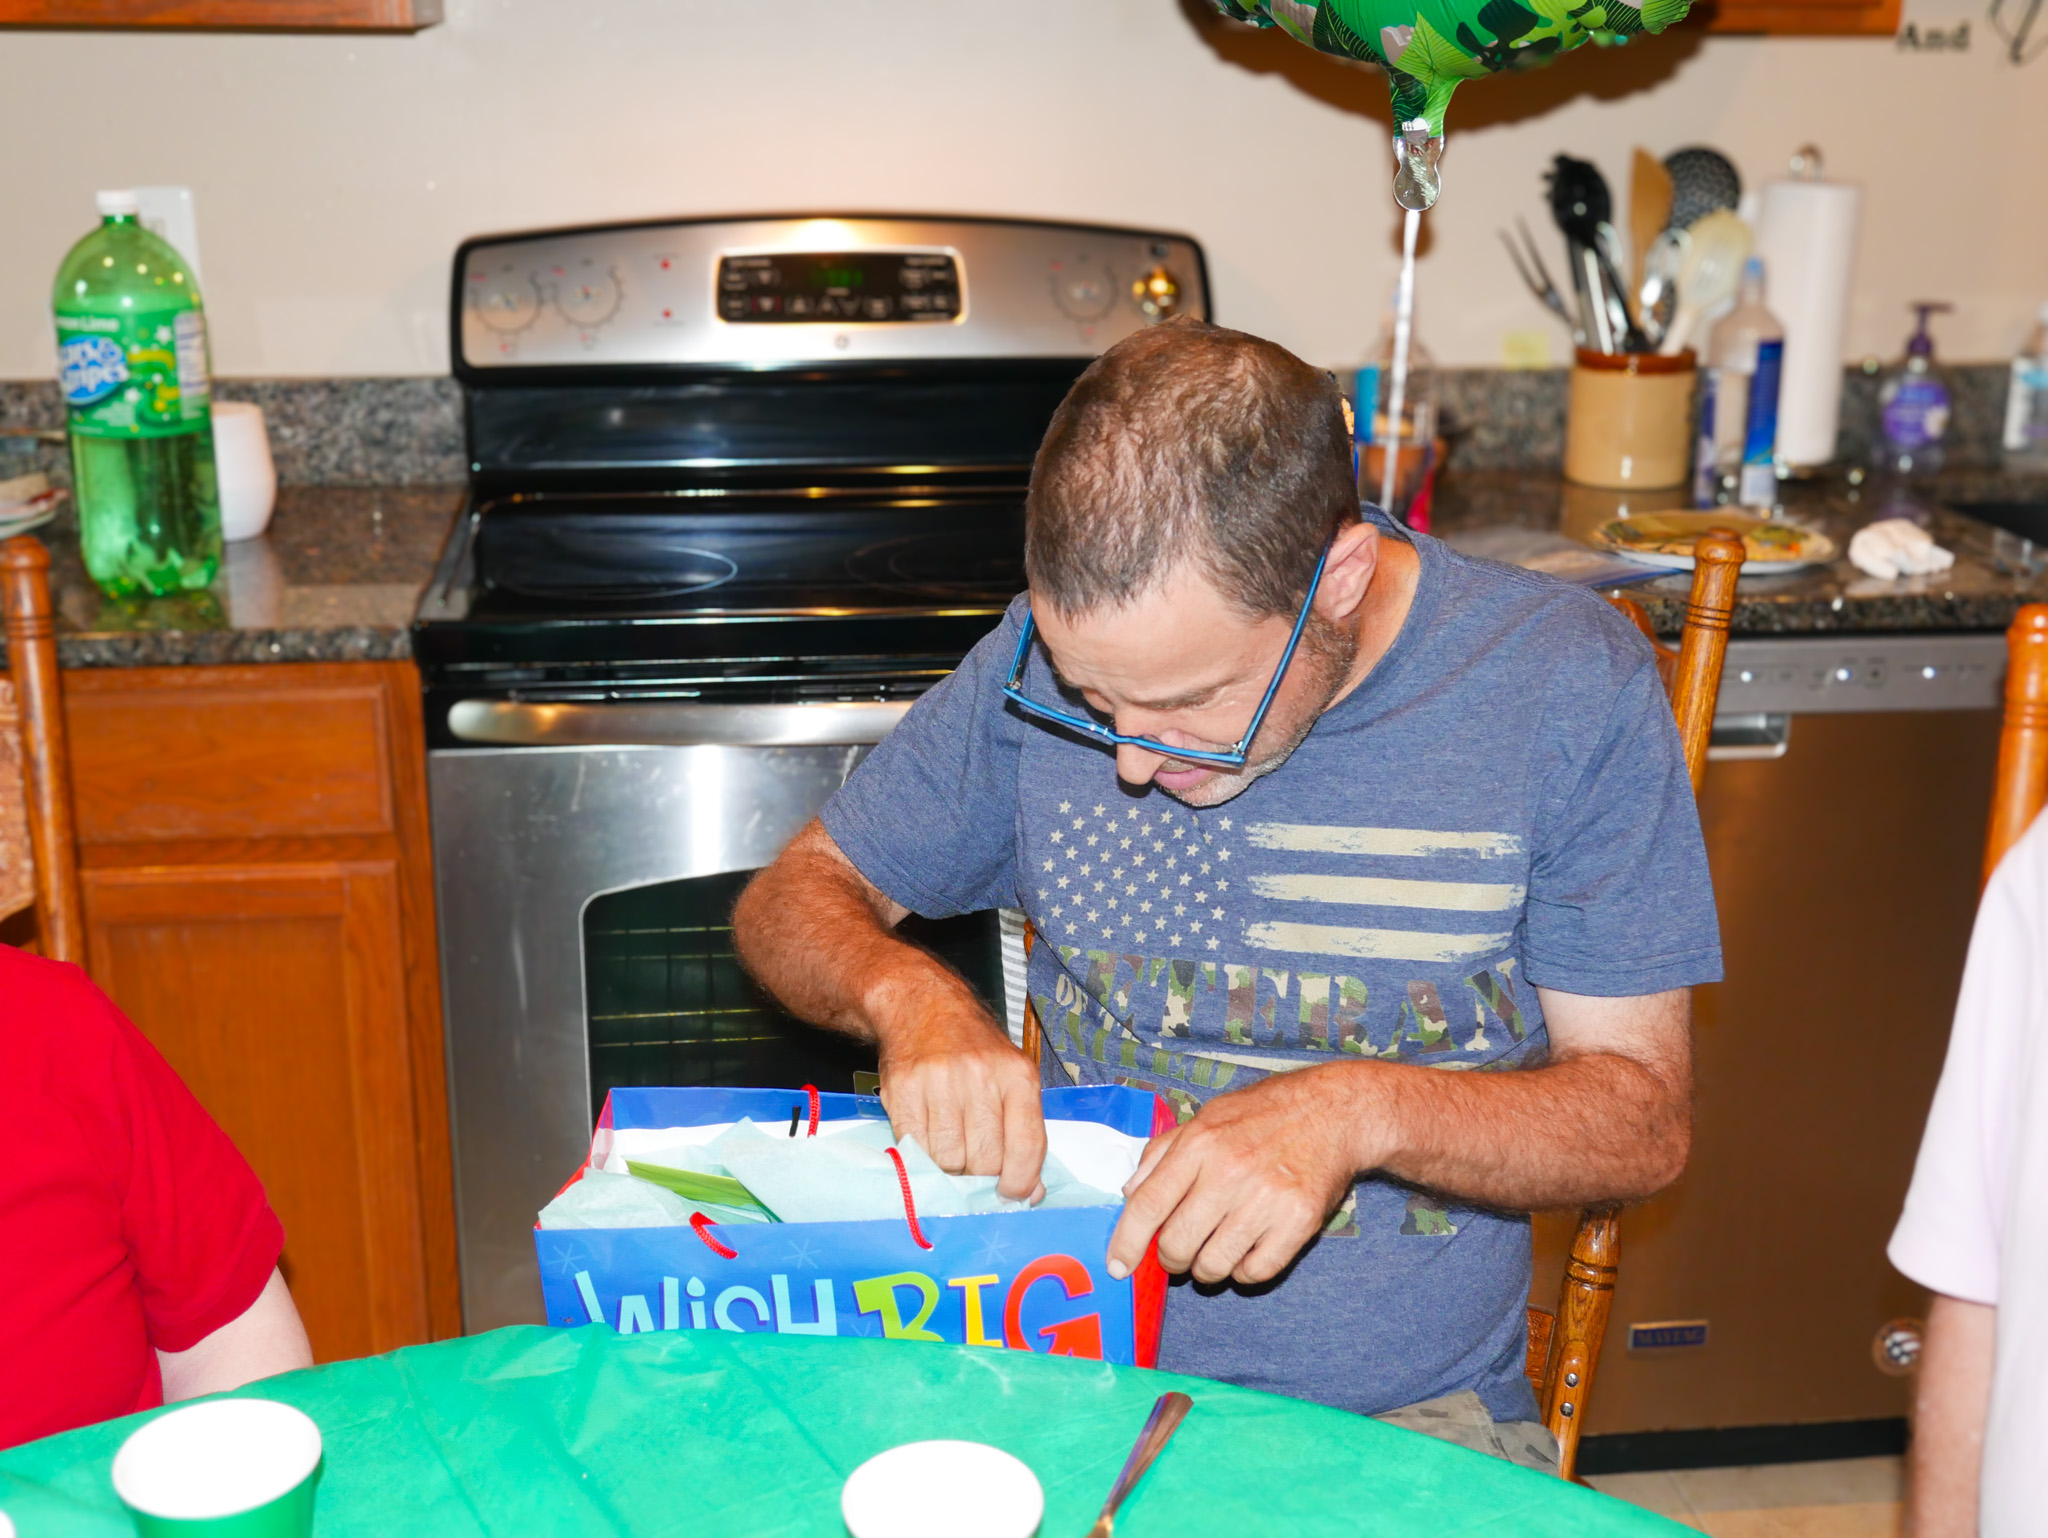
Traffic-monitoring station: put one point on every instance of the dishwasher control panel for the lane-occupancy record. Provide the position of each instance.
(1806, 675)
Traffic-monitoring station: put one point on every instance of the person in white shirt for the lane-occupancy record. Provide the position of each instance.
(1975, 1229)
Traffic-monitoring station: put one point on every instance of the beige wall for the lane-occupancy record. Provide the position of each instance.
(335, 175)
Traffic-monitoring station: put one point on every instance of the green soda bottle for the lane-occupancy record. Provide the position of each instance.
(131, 349)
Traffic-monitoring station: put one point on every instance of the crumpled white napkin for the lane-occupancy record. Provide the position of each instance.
(1897, 547)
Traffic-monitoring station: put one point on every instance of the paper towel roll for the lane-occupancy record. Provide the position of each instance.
(1806, 235)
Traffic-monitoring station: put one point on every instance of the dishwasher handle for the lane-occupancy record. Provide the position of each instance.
(673, 724)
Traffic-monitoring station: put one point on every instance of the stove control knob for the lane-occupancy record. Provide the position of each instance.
(1157, 294)
(503, 298)
(587, 294)
(1084, 289)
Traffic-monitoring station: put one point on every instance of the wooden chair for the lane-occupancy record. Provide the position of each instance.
(2022, 783)
(1564, 1347)
(38, 836)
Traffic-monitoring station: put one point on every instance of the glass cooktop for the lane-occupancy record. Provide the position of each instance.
(594, 558)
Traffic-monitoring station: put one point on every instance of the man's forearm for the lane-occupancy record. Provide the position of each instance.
(1594, 1128)
(813, 932)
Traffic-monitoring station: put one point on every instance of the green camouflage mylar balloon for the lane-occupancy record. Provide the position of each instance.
(1428, 46)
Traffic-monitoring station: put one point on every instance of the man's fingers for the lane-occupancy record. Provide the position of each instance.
(1273, 1253)
(1155, 1150)
(1229, 1243)
(1150, 1205)
(1023, 1147)
(1193, 1223)
(983, 1127)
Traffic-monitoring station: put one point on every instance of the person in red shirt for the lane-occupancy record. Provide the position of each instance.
(141, 1254)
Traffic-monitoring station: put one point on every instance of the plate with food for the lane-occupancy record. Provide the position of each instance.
(1770, 546)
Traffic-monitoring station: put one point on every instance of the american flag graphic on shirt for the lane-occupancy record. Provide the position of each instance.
(1196, 946)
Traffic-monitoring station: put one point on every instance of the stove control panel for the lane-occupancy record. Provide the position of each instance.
(768, 293)
(861, 288)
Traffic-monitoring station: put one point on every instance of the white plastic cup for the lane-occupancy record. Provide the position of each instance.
(942, 1490)
(227, 1468)
(248, 476)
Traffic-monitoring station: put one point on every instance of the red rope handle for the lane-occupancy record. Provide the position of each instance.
(812, 1091)
(701, 1226)
(909, 1206)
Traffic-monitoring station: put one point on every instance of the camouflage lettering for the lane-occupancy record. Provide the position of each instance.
(1180, 995)
(1347, 1015)
(1343, 1223)
(1314, 1014)
(1237, 1006)
(1428, 1218)
(1498, 995)
(1427, 1026)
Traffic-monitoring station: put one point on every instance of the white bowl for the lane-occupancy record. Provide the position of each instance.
(942, 1490)
(247, 475)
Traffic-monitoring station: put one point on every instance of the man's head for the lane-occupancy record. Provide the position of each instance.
(1180, 500)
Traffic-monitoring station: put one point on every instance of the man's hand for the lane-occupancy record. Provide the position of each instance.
(1239, 1190)
(821, 937)
(951, 1079)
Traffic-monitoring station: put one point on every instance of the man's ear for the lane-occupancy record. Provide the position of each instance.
(1354, 557)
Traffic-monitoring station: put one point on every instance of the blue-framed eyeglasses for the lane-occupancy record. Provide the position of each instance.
(1095, 731)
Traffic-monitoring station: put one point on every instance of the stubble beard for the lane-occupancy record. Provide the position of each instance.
(1326, 655)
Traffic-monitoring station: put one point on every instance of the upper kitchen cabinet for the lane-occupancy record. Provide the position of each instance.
(1803, 18)
(227, 15)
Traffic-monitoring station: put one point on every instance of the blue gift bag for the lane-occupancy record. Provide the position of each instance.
(1019, 1281)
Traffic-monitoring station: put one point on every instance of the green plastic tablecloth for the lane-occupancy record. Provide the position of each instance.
(528, 1432)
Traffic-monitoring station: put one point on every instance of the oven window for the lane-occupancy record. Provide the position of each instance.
(670, 1005)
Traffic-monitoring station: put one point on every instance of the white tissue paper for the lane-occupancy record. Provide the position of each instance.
(600, 1200)
(842, 1175)
(1897, 547)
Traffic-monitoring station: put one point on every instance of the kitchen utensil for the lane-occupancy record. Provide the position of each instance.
(1649, 210)
(1772, 545)
(1583, 207)
(941, 1489)
(1621, 316)
(1657, 297)
(1529, 265)
(1719, 245)
(1160, 1426)
(1702, 180)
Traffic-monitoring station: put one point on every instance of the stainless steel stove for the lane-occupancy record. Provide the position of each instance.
(741, 490)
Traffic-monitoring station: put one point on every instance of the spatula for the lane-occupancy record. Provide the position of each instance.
(1649, 210)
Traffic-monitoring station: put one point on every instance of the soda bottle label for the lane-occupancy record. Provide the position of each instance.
(134, 376)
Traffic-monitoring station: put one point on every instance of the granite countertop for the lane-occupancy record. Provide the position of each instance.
(339, 574)
(335, 578)
(1993, 575)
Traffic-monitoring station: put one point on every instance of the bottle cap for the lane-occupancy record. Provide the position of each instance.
(118, 204)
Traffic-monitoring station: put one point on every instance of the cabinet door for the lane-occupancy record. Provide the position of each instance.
(271, 989)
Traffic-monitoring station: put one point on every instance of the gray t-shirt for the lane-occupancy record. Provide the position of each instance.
(1502, 803)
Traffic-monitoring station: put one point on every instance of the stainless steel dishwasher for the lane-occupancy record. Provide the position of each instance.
(1844, 810)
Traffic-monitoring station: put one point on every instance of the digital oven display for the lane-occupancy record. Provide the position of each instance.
(862, 287)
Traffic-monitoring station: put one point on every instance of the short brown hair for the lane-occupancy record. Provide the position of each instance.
(1187, 441)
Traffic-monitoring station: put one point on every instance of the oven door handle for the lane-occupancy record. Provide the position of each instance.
(673, 724)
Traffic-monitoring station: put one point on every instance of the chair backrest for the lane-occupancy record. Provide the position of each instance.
(42, 747)
(2022, 782)
(1564, 1348)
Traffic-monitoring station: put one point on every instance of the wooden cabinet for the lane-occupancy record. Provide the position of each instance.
(259, 899)
(1802, 18)
(238, 15)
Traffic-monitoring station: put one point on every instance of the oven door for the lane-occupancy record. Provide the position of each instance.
(586, 860)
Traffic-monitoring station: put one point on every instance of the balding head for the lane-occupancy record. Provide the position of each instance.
(1189, 443)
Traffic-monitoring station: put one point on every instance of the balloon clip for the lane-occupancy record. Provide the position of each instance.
(1417, 182)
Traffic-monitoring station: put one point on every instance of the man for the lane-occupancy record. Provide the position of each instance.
(142, 1254)
(1973, 1229)
(1461, 837)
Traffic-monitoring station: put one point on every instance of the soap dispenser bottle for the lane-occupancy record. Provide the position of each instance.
(1913, 403)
